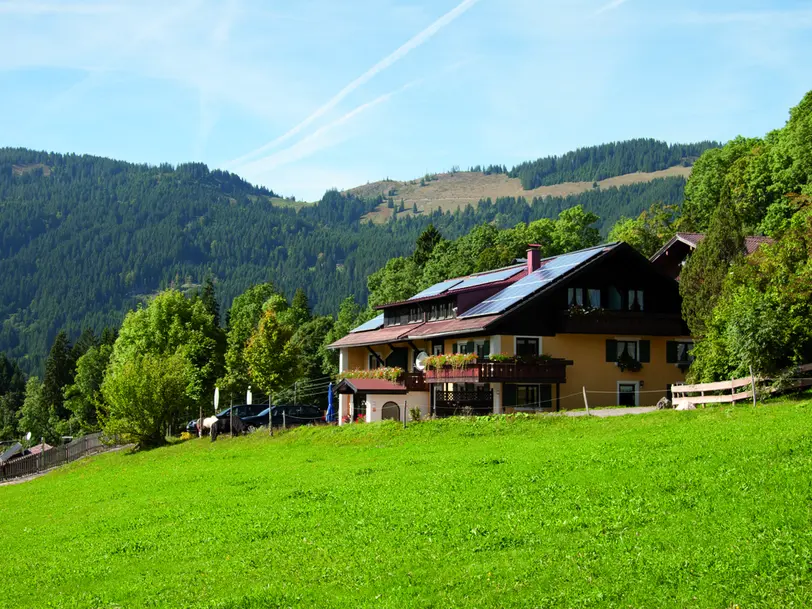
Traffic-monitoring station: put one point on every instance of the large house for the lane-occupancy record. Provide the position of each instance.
(604, 319)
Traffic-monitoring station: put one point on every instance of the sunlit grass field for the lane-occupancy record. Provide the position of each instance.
(711, 508)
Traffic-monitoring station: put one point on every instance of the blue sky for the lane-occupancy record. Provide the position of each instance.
(308, 95)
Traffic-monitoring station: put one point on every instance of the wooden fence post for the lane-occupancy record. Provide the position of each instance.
(753, 385)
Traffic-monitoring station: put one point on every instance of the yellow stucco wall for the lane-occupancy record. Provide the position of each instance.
(591, 370)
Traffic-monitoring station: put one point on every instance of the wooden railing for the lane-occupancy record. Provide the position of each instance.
(463, 402)
(550, 371)
(52, 457)
(729, 392)
(722, 392)
(414, 381)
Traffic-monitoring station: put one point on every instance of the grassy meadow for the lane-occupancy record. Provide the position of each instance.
(709, 508)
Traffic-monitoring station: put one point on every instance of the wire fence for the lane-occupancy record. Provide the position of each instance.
(55, 456)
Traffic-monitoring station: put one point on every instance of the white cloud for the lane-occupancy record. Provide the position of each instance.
(383, 64)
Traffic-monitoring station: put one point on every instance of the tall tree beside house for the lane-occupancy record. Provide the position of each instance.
(398, 280)
(309, 342)
(273, 359)
(649, 231)
(83, 398)
(243, 318)
(574, 230)
(59, 369)
(36, 414)
(350, 315)
(762, 315)
(147, 396)
(706, 270)
(172, 324)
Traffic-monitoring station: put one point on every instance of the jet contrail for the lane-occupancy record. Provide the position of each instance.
(384, 63)
(312, 142)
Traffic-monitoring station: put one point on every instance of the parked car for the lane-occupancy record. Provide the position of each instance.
(294, 414)
(240, 410)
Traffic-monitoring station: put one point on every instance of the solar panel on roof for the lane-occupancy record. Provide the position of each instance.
(485, 278)
(551, 270)
(437, 288)
(372, 324)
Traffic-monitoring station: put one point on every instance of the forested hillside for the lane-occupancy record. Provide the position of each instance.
(599, 162)
(83, 239)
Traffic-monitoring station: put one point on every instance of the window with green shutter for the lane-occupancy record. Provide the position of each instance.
(611, 350)
(644, 352)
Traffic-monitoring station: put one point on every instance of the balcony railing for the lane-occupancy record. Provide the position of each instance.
(414, 381)
(463, 402)
(548, 371)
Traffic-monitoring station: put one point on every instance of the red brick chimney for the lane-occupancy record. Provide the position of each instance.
(533, 257)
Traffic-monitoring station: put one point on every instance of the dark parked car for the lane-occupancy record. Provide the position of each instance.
(294, 414)
(240, 410)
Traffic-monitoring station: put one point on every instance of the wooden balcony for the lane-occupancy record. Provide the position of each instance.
(621, 322)
(549, 371)
(414, 381)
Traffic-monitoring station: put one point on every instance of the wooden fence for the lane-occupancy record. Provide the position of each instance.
(52, 457)
(729, 392)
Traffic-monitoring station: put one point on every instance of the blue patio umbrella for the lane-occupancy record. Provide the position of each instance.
(330, 413)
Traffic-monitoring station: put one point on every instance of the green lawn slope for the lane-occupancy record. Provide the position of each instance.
(671, 509)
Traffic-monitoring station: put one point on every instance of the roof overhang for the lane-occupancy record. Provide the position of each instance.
(374, 386)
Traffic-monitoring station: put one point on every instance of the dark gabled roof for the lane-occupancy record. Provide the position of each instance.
(751, 244)
(550, 273)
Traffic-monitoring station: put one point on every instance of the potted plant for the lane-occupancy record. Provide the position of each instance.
(627, 362)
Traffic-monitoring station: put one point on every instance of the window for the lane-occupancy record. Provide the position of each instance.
(679, 352)
(575, 297)
(528, 396)
(373, 362)
(594, 299)
(481, 347)
(635, 300)
(415, 315)
(436, 349)
(627, 347)
(433, 312)
(639, 350)
(528, 346)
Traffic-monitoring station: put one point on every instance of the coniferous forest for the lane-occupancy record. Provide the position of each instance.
(131, 291)
(83, 239)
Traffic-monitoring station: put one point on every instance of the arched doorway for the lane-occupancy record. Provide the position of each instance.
(390, 412)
